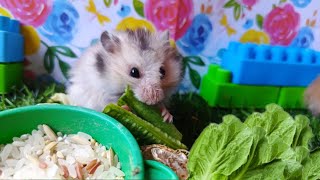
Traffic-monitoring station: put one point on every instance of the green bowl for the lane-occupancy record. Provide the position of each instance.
(157, 170)
(71, 119)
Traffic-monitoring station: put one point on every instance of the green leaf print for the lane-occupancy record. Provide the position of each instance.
(230, 3)
(138, 6)
(195, 78)
(195, 60)
(64, 51)
(237, 12)
(54, 53)
(49, 57)
(64, 67)
(107, 2)
(259, 20)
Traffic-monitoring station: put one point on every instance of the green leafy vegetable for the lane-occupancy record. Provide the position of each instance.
(143, 131)
(148, 113)
(220, 142)
(144, 122)
(268, 145)
(311, 169)
(266, 172)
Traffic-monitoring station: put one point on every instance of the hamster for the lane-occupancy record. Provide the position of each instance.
(312, 96)
(142, 59)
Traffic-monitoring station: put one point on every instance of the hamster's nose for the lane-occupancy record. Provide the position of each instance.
(152, 95)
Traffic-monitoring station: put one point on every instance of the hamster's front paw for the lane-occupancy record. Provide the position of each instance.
(312, 97)
(312, 101)
(167, 117)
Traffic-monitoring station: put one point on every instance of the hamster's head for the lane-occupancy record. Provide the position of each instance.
(145, 61)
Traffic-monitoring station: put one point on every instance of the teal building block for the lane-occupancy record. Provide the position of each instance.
(269, 65)
(11, 54)
(11, 41)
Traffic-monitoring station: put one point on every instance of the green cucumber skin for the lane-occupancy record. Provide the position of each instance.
(144, 132)
(149, 113)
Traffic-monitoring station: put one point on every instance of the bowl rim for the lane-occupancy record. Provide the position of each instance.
(132, 141)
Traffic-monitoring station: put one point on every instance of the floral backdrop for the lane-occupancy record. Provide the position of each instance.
(57, 31)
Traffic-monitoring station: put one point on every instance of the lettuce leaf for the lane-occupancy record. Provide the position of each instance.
(311, 170)
(268, 145)
(269, 171)
(276, 122)
(303, 132)
(213, 154)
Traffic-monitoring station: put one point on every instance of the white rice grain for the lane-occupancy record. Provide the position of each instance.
(46, 155)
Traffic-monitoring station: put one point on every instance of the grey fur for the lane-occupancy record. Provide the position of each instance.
(110, 42)
(141, 37)
(100, 64)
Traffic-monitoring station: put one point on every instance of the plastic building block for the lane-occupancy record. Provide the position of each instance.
(253, 64)
(11, 41)
(217, 90)
(10, 75)
(11, 54)
(291, 97)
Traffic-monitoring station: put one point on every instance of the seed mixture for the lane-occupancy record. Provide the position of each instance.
(44, 154)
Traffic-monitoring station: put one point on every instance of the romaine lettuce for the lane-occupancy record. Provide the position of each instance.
(268, 145)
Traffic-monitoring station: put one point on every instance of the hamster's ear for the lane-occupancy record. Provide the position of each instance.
(110, 42)
(165, 35)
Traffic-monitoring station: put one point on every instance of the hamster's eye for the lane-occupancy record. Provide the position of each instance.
(162, 72)
(134, 72)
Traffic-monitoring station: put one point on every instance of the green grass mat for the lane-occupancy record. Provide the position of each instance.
(25, 95)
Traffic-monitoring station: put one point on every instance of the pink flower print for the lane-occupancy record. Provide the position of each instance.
(248, 3)
(174, 15)
(282, 24)
(31, 12)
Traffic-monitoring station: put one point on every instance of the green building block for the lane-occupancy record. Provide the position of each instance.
(291, 97)
(10, 75)
(217, 89)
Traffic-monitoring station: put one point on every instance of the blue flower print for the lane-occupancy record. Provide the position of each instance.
(124, 11)
(301, 3)
(304, 38)
(248, 24)
(61, 24)
(195, 39)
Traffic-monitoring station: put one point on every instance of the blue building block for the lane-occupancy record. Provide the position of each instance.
(254, 64)
(11, 41)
